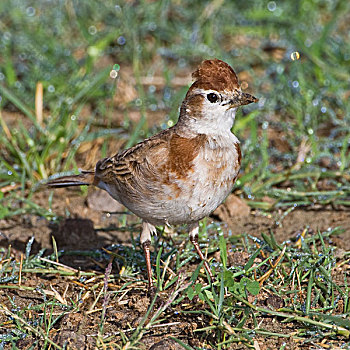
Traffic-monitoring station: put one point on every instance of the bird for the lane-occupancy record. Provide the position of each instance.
(183, 173)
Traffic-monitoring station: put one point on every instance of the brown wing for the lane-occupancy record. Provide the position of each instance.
(153, 163)
(128, 164)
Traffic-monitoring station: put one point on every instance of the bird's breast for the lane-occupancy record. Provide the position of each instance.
(215, 171)
(207, 182)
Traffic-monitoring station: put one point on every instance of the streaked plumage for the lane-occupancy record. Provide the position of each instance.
(182, 174)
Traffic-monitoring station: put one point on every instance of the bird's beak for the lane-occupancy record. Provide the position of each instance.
(240, 98)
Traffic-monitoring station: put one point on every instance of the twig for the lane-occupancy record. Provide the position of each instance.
(65, 267)
(262, 279)
(39, 103)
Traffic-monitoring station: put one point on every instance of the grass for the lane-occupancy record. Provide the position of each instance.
(294, 57)
(300, 283)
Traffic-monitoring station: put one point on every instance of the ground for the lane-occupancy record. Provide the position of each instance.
(89, 230)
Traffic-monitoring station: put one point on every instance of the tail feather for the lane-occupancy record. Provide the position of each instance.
(84, 178)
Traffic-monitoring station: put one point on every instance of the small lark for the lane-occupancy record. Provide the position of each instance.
(182, 174)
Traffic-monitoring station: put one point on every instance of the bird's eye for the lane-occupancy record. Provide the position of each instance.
(212, 97)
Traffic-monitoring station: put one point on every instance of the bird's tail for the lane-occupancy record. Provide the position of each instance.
(84, 178)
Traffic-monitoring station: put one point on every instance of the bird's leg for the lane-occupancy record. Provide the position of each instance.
(146, 234)
(148, 263)
(194, 239)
